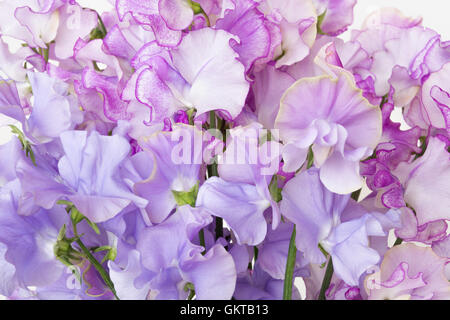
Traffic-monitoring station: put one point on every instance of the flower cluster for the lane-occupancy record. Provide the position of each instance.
(222, 149)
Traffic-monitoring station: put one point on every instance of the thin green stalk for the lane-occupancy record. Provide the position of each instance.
(95, 263)
(98, 267)
(201, 237)
(326, 280)
(102, 25)
(219, 227)
(212, 172)
(290, 266)
(355, 194)
(398, 241)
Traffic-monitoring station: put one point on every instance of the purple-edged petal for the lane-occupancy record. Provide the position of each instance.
(177, 14)
(401, 265)
(208, 63)
(341, 126)
(248, 24)
(426, 183)
(147, 13)
(113, 107)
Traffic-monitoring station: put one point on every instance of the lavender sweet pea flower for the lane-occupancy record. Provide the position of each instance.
(409, 272)
(53, 110)
(314, 209)
(330, 116)
(102, 195)
(258, 285)
(176, 158)
(29, 241)
(240, 204)
(178, 261)
(273, 253)
(249, 166)
(88, 176)
(8, 282)
(126, 279)
(317, 214)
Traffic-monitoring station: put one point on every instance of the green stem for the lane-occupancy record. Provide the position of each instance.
(102, 25)
(219, 227)
(212, 172)
(201, 237)
(98, 267)
(290, 266)
(398, 241)
(326, 280)
(355, 194)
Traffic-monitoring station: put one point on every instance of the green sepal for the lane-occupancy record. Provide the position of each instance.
(186, 197)
(274, 190)
(310, 158)
(63, 249)
(196, 7)
(319, 23)
(189, 287)
(325, 253)
(76, 216)
(26, 145)
(97, 33)
(111, 253)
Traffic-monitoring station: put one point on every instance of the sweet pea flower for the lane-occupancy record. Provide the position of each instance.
(170, 162)
(409, 272)
(297, 21)
(341, 227)
(98, 194)
(424, 182)
(340, 127)
(179, 261)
